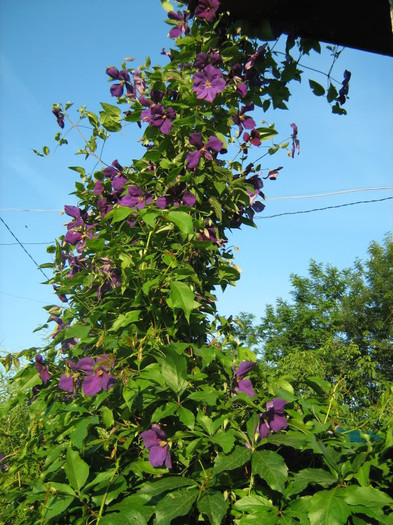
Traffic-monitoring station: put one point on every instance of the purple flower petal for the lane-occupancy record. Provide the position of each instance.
(278, 423)
(196, 140)
(276, 404)
(246, 386)
(244, 368)
(242, 89)
(166, 126)
(86, 364)
(193, 158)
(113, 72)
(72, 211)
(66, 383)
(189, 198)
(264, 429)
(72, 237)
(161, 203)
(214, 143)
(150, 438)
(91, 385)
(158, 455)
(116, 90)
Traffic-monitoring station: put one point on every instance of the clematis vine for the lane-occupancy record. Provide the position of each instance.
(42, 369)
(208, 83)
(181, 26)
(273, 420)
(124, 82)
(238, 383)
(155, 441)
(213, 144)
(207, 9)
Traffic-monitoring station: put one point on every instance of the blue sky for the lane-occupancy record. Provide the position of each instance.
(52, 51)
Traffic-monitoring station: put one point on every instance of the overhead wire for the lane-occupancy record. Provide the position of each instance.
(321, 209)
(24, 249)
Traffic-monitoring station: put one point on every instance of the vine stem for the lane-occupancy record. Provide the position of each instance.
(106, 494)
(332, 399)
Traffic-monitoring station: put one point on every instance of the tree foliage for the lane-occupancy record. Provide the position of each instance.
(337, 326)
(142, 407)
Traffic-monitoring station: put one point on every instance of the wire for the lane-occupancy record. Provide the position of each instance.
(339, 192)
(24, 243)
(25, 298)
(320, 209)
(32, 211)
(23, 248)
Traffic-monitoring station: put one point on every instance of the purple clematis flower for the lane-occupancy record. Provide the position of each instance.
(136, 198)
(156, 114)
(273, 419)
(155, 441)
(241, 89)
(207, 9)
(295, 140)
(42, 369)
(242, 120)
(97, 377)
(208, 83)
(238, 383)
(253, 137)
(213, 144)
(125, 81)
(343, 93)
(258, 55)
(59, 116)
(181, 26)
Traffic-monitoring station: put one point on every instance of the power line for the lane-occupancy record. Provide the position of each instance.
(23, 248)
(24, 298)
(339, 192)
(24, 243)
(320, 209)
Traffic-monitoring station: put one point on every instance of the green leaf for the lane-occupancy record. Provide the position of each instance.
(214, 506)
(209, 397)
(238, 458)
(332, 93)
(182, 297)
(316, 88)
(174, 371)
(367, 496)
(270, 467)
(164, 485)
(76, 469)
(325, 508)
(175, 504)
(79, 330)
(167, 5)
(127, 517)
(182, 220)
(80, 430)
(307, 477)
(110, 117)
(186, 417)
(56, 505)
(119, 214)
(252, 503)
(226, 440)
(107, 417)
(125, 319)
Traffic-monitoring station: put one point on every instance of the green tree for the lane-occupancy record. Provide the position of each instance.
(337, 326)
